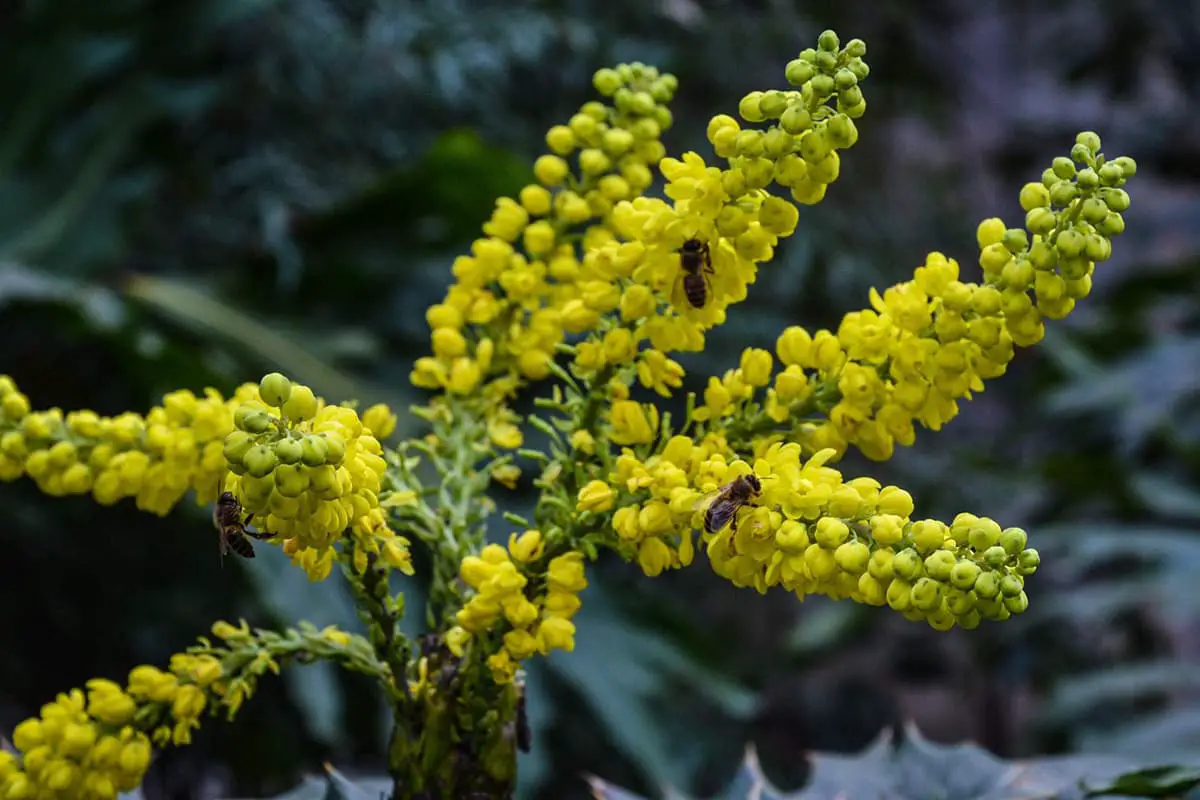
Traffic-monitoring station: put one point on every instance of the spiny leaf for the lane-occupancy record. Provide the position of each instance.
(333, 785)
(910, 767)
(1151, 782)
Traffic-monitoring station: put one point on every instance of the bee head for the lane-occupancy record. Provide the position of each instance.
(227, 497)
(692, 245)
(754, 482)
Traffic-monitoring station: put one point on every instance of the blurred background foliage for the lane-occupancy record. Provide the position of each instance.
(193, 192)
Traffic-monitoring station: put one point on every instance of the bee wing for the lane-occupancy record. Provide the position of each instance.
(704, 501)
(719, 514)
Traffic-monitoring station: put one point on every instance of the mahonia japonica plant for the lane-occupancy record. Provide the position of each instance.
(578, 283)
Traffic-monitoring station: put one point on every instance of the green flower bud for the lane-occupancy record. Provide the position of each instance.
(1073, 268)
(851, 97)
(1042, 255)
(1013, 540)
(855, 48)
(1016, 240)
(642, 104)
(594, 109)
(859, 68)
(313, 450)
(748, 107)
(796, 119)
(799, 72)
(1089, 140)
(1128, 166)
(1041, 221)
(826, 170)
(1063, 168)
(637, 70)
(1097, 248)
(274, 389)
(749, 143)
(1034, 195)
(1062, 193)
(773, 103)
(1049, 179)
(852, 557)
(853, 112)
(777, 143)
(607, 81)
(822, 86)
(664, 117)
(237, 444)
(323, 481)
(335, 449)
(987, 585)
(1112, 225)
(828, 41)
(1028, 561)
(1111, 174)
(1081, 155)
(301, 405)
(1093, 210)
(1115, 199)
(1017, 604)
(940, 565)
(1087, 179)
(288, 451)
(260, 460)
(616, 141)
(663, 89)
(826, 64)
(842, 131)
(1070, 243)
(908, 565)
(291, 480)
(251, 419)
(996, 556)
(926, 594)
(983, 534)
(1011, 585)
(843, 79)
(814, 146)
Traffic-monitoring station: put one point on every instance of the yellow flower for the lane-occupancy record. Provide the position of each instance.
(633, 423)
(596, 496)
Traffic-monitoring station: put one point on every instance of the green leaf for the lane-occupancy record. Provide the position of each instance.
(910, 767)
(194, 307)
(1167, 496)
(1151, 782)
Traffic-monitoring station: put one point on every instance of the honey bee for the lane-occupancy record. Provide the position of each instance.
(696, 262)
(732, 496)
(232, 534)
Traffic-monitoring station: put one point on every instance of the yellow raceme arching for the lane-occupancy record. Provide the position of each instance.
(93, 743)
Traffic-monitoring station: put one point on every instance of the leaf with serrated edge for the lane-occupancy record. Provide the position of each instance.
(1152, 782)
(913, 768)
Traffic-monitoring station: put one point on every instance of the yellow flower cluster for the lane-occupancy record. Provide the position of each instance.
(523, 289)
(155, 459)
(811, 532)
(727, 210)
(307, 472)
(531, 601)
(92, 745)
(927, 343)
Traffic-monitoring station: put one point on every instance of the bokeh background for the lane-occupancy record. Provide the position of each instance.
(193, 192)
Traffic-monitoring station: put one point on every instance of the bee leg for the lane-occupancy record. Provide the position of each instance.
(256, 534)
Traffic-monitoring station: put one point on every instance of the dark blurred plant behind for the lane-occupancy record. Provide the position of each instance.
(193, 193)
